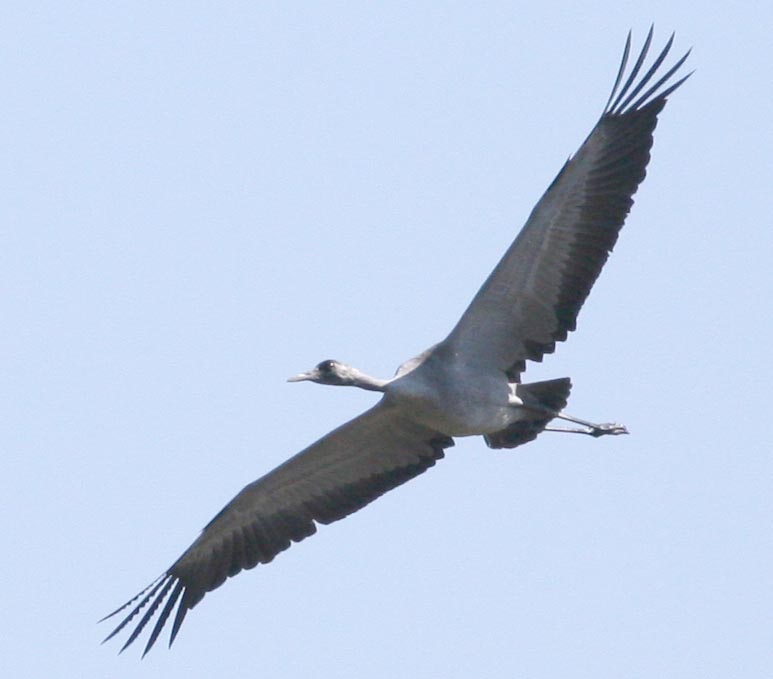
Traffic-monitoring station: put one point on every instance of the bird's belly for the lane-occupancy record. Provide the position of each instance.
(463, 409)
(472, 422)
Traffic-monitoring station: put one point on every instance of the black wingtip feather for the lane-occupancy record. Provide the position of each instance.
(636, 68)
(620, 71)
(159, 598)
(641, 101)
(625, 98)
(163, 618)
(648, 75)
(132, 600)
(146, 595)
(154, 594)
(182, 611)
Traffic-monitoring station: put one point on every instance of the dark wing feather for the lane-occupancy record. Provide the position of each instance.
(329, 480)
(532, 298)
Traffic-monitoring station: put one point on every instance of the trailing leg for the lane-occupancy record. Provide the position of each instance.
(589, 428)
(537, 404)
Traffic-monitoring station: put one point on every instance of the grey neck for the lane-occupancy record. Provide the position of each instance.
(363, 381)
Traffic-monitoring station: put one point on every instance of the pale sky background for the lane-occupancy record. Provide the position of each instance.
(201, 199)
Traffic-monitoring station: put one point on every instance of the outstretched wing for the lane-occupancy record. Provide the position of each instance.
(532, 298)
(337, 475)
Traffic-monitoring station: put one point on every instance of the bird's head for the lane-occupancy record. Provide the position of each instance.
(328, 372)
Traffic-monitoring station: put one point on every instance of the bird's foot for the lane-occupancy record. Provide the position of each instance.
(609, 428)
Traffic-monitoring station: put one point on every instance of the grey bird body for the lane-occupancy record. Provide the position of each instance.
(449, 393)
(468, 384)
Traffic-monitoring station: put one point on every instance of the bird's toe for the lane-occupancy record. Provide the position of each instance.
(609, 428)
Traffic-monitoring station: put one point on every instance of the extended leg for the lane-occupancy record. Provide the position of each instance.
(588, 428)
(536, 404)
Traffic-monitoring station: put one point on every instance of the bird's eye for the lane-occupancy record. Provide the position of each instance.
(326, 366)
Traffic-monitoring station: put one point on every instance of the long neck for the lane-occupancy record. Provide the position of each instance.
(363, 381)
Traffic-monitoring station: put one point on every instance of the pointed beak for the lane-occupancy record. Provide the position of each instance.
(300, 377)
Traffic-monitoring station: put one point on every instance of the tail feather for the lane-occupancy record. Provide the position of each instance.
(550, 394)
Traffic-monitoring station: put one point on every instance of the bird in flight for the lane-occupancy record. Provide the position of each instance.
(468, 384)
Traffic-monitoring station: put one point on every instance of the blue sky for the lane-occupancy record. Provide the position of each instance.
(202, 199)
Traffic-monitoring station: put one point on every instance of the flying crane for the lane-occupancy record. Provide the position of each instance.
(468, 384)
